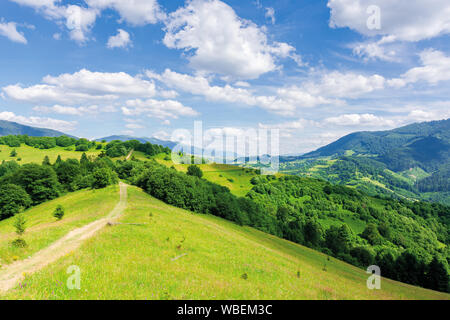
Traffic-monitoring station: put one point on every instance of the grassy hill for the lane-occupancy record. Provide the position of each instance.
(82, 207)
(235, 178)
(29, 154)
(176, 254)
(281, 206)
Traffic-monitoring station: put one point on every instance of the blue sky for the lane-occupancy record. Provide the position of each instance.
(316, 70)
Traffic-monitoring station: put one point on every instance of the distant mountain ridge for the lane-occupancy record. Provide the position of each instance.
(13, 128)
(153, 140)
(382, 142)
(412, 161)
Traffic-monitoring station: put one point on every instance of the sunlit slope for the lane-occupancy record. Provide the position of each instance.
(235, 178)
(81, 208)
(28, 154)
(174, 254)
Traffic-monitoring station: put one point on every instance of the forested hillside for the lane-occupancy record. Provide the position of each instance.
(410, 162)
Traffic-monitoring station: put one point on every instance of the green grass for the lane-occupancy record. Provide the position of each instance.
(81, 208)
(138, 262)
(32, 155)
(414, 174)
(235, 178)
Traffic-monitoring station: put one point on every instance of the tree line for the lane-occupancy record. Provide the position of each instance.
(31, 184)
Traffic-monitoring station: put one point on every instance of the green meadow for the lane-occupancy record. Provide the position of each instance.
(161, 252)
(235, 178)
(82, 207)
(28, 154)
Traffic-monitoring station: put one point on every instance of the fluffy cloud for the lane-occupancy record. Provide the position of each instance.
(134, 12)
(157, 109)
(72, 111)
(302, 98)
(120, 40)
(241, 50)
(67, 91)
(49, 123)
(329, 88)
(358, 120)
(270, 14)
(405, 19)
(9, 30)
(199, 85)
(345, 85)
(435, 68)
(83, 86)
(79, 20)
(48, 7)
(384, 49)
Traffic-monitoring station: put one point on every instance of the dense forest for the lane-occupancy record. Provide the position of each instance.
(32, 184)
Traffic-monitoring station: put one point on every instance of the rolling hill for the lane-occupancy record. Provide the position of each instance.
(162, 252)
(13, 128)
(277, 205)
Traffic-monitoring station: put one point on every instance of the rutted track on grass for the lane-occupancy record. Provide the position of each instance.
(13, 273)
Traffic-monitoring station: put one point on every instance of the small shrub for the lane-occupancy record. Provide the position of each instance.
(194, 171)
(59, 212)
(19, 243)
(20, 224)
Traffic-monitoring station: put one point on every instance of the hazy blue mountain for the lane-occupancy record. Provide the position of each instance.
(13, 128)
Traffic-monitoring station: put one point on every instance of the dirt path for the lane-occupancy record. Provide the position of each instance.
(129, 155)
(14, 272)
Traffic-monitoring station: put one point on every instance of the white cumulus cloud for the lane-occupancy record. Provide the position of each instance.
(40, 122)
(120, 40)
(435, 68)
(9, 30)
(218, 41)
(83, 86)
(134, 12)
(405, 19)
(158, 109)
